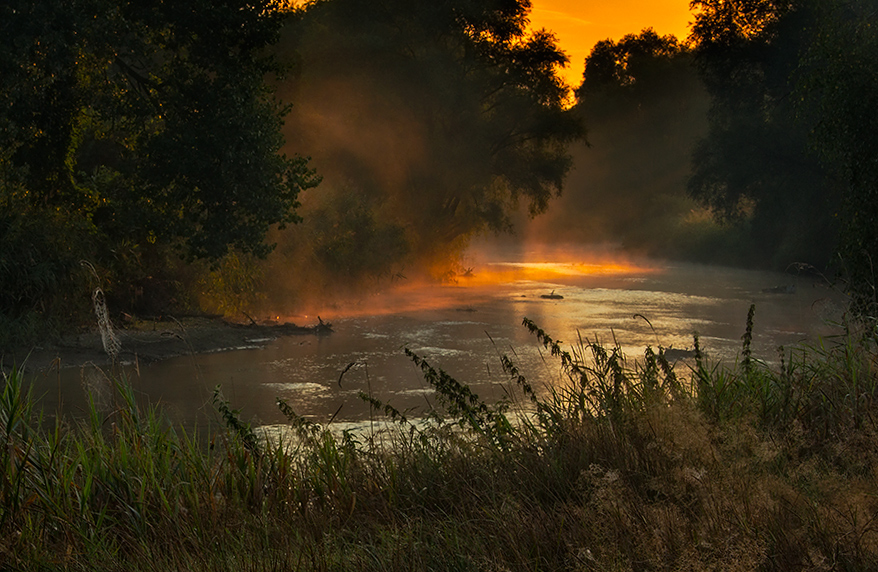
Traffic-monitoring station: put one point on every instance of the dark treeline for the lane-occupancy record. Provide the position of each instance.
(750, 144)
(143, 146)
(645, 107)
(136, 138)
(145, 137)
(792, 149)
(429, 122)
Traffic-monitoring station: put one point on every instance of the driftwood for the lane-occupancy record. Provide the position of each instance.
(160, 338)
(291, 329)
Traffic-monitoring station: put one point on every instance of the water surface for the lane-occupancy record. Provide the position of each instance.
(463, 328)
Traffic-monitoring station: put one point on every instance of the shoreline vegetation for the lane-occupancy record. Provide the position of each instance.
(632, 464)
(156, 153)
(150, 340)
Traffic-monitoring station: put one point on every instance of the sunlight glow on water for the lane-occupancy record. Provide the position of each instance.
(464, 329)
(506, 272)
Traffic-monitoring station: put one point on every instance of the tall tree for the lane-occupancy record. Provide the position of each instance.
(645, 107)
(446, 114)
(793, 133)
(142, 123)
(756, 166)
(156, 111)
(837, 95)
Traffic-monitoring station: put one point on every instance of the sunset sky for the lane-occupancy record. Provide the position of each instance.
(579, 24)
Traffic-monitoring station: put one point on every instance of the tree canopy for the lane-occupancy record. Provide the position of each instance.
(837, 95)
(443, 115)
(151, 118)
(756, 166)
(139, 125)
(793, 145)
(644, 106)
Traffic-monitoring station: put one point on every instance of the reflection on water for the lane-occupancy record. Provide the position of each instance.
(466, 327)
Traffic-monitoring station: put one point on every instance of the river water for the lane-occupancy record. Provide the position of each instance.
(464, 327)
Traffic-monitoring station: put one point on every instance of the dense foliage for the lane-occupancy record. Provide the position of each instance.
(439, 116)
(131, 128)
(140, 134)
(645, 107)
(792, 143)
(756, 166)
(837, 90)
(620, 466)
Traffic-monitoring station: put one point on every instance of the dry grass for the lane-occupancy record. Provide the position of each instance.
(622, 469)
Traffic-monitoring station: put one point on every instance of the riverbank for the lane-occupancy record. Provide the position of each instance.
(716, 467)
(147, 341)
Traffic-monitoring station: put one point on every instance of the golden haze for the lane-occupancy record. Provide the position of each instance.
(579, 24)
(540, 264)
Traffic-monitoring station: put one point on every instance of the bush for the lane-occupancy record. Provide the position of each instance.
(626, 465)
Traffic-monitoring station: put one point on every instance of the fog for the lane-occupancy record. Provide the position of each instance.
(396, 144)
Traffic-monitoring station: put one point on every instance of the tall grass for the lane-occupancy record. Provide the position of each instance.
(631, 464)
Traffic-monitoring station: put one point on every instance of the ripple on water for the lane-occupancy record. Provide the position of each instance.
(303, 366)
(299, 387)
(459, 323)
(375, 336)
(416, 391)
(439, 352)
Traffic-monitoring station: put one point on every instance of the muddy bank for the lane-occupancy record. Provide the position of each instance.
(149, 341)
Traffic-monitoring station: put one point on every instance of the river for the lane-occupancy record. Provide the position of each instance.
(465, 326)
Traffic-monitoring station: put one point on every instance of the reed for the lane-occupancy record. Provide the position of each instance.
(630, 464)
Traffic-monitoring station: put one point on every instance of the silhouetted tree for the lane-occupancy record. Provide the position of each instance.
(793, 145)
(644, 106)
(643, 62)
(837, 95)
(136, 125)
(446, 113)
(756, 167)
(149, 117)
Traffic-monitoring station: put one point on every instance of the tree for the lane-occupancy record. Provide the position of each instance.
(638, 61)
(837, 94)
(793, 130)
(142, 123)
(645, 106)
(445, 113)
(154, 111)
(756, 166)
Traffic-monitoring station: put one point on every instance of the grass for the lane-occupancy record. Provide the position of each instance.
(629, 465)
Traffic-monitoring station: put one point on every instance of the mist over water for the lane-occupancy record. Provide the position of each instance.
(390, 250)
(401, 166)
(464, 327)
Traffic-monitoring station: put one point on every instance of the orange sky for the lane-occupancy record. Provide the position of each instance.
(579, 24)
